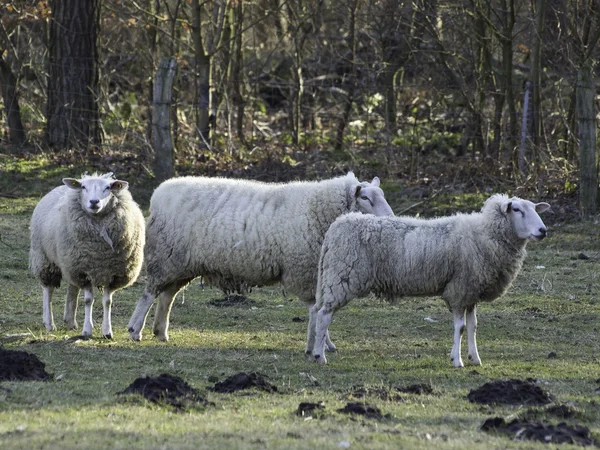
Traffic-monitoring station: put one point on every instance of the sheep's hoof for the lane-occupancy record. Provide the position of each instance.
(108, 336)
(135, 336)
(86, 336)
(320, 359)
(51, 327)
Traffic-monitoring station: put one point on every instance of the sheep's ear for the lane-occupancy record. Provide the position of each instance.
(357, 191)
(72, 183)
(118, 185)
(541, 207)
(506, 207)
(375, 182)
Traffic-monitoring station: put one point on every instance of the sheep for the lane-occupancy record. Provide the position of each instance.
(91, 233)
(242, 233)
(465, 258)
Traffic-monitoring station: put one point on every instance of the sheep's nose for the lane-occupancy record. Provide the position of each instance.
(542, 231)
(94, 202)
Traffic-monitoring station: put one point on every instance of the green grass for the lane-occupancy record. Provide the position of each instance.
(554, 306)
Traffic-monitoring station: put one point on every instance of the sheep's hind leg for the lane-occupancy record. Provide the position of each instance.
(70, 316)
(310, 332)
(138, 318)
(459, 328)
(47, 316)
(323, 320)
(106, 318)
(163, 311)
(88, 324)
(473, 355)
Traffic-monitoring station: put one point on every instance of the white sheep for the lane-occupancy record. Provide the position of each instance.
(241, 233)
(91, 233)
(465, 258)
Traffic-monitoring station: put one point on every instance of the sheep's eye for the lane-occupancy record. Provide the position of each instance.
(107, 188)
(83, 188)
(364, 197)
(516, 210)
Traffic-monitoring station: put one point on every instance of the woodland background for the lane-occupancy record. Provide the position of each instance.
(471, 95)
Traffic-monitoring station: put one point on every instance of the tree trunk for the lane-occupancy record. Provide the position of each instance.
(237, 64)
(588, 162)
(154, 8)
(161, 119)
(536, 79)
(203, 78)
(73, 118)
(10, 97)
(343, 123)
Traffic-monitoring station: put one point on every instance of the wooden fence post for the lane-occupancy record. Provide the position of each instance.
(161, 119)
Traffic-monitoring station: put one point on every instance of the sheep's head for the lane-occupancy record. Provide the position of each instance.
(371, 200)
(524, 217)
(96, 192)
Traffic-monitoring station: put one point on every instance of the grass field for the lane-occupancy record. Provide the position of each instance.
(546, 328)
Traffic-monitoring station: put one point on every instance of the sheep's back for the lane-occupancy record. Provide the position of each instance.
(240, 229)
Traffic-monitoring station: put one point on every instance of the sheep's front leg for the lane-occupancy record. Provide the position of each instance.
(70, 316)
(88, 325)
(473, 355)
(47, 316)
(459, 328)
(323, 320)
(138, 318)
(106, 318)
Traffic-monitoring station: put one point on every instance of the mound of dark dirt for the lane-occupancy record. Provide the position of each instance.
(537, 431)
(509, 392)
(166, 389)
(379, 392)
(16, 365)
(232, 300)
(419, 389)
(244, 380)
(306, 409)
(363, 409)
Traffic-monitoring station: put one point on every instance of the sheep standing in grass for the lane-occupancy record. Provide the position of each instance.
(240, 233)
(465, 258)
(91, 233)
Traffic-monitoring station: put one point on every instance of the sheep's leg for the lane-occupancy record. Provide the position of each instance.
(310, 332)
(47, 308)
(310, 335)
(70, 316)
(106, 318)
(88, 324)
(138, 318)
(473, 355)
(459, 328)
(329, 346)
(323, 320)
(163, 311)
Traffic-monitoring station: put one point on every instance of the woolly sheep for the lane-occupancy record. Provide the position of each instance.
(241, 233)
(465, 258)
(91, 233)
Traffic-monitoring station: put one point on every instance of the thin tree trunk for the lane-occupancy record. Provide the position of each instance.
(343, 123)
(236, 70)
(161, 119)
(10, 97)
(536, 79)
(152, 41)
(73, 117)
(203, 78)
(588, 161)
